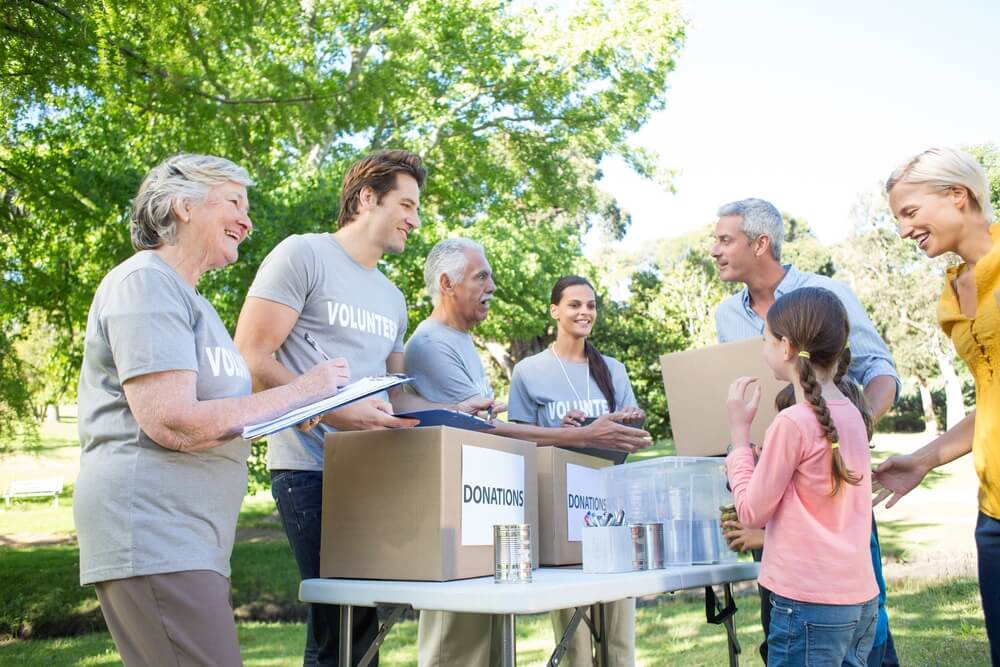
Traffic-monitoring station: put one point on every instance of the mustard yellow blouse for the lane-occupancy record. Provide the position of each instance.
(977, 341)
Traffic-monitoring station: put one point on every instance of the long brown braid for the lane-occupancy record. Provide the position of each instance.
(786, 396)
(815, 322)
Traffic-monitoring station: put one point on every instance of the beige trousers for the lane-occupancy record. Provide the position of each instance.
(178, 618)
(449, 639)
(620, 623)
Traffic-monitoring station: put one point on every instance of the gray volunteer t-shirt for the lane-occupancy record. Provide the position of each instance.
(352, 311)
(444, 364)
(541, 393)
(140, 508)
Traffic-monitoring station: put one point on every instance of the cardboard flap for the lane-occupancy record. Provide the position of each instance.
(697, 384)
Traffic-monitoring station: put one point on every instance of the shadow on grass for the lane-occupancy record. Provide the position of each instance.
(935, 623)
(894, 538)
(41, 596)
(260, 513)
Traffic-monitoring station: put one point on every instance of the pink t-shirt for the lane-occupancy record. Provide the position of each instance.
(816, 547)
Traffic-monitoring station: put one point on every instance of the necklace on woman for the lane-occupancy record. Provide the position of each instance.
(570, 382)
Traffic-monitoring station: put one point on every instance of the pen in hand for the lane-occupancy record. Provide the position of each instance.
(314, 345)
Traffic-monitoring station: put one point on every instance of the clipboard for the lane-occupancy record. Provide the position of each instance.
(348, 394)
(444, 417)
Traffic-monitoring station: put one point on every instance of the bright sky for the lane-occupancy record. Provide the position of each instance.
(810, 103)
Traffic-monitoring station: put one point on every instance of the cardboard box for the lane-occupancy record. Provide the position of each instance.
(569, 484)
(697, 385)
(420, 503)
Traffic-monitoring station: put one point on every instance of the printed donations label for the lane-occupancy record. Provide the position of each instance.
(585, 492)
(492, 492)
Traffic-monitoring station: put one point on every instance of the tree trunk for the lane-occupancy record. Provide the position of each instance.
(52, 413)
(954, 403)
(930, 419)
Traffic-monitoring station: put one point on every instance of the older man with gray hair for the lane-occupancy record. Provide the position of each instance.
(441, 358)
(747, 249)
(440, 355)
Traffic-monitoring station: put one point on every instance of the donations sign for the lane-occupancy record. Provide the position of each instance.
(492, 492)
(585, 492)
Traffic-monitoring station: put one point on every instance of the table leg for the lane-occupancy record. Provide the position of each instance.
(730, 623)
(563, 645)
(346, 618)
(395, 614)
(508, 639)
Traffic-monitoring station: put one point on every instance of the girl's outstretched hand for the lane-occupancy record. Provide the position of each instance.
(742, 410)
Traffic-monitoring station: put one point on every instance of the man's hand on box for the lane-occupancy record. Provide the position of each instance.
(366, 415)
(741, 538)
(606, 433)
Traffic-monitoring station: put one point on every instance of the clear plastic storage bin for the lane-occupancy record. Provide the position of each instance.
(682, 493)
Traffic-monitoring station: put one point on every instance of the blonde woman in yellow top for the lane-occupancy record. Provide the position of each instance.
(941, 199)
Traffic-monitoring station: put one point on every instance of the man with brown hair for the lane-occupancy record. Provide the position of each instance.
(329, 287)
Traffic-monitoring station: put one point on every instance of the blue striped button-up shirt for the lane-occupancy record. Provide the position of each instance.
(870, 357)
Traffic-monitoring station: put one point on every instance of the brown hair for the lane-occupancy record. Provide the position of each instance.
(815, 322)
(377, 171)
(595, 360)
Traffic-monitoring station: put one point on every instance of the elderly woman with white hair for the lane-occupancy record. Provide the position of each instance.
(163, 397)
(941, 199)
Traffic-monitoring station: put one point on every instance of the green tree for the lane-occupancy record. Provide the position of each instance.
(636, 332)
(803, 250)
(900, 288)
(512, 107)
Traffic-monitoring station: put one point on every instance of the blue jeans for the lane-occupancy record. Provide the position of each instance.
(299, 496)
(988, 551)
(804, 634)
(884, 654)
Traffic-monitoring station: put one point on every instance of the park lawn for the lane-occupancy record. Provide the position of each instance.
(41, 596)
(936, 622)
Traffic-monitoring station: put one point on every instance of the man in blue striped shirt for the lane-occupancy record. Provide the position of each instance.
(747, 249)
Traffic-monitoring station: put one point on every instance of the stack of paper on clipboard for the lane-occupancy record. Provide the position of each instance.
(348, 394)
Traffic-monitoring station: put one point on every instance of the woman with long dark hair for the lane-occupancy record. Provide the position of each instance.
(565, 385)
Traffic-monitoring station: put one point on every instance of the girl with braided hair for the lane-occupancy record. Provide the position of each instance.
(811, 487)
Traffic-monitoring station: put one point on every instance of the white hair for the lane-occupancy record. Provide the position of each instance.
(447, 257)
(760, 218)
(945, 168)
(185, 176)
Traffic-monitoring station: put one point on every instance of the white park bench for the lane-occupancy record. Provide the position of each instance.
(34, 488)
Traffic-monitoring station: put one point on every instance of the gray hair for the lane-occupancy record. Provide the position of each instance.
(447, 257)
(760, 218)
(185, 176)
(944, 168)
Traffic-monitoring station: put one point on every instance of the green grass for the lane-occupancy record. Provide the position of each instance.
(40, 593)
(39, 516)
(51, 436)
(41, 596)
(663, 447)
(936, 623)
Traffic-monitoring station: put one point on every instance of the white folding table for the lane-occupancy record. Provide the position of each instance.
(551, 588)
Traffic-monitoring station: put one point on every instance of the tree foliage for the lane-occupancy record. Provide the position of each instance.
(513, 107)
